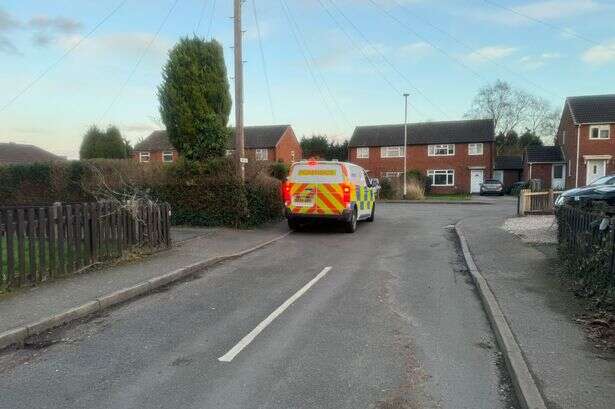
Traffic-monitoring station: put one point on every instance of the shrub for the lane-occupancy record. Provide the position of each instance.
(279, 170)
(108, 144)
(387, 191)
(263, 199)
(415, 189)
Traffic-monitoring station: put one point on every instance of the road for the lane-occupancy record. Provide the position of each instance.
(394, 323)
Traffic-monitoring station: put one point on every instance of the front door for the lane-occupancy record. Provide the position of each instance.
(595, 169)
(476, 179)
(557, 177)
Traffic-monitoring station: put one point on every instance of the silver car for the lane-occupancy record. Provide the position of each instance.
(492, 187)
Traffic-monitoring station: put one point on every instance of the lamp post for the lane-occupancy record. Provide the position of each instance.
(405, 139)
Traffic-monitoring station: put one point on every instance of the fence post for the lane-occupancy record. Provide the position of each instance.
(522, 204)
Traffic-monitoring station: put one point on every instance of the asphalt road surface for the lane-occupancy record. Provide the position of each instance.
(384, 318)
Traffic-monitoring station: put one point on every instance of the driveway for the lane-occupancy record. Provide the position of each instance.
(395, 322)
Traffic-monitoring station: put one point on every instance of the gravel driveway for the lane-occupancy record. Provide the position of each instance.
(533, 229)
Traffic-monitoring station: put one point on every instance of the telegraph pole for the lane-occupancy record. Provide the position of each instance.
(239, 136)
(405, 140)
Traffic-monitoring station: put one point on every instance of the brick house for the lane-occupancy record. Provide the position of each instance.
(547, 164)
(586, 135)
(19, 154)
(508, 169)
(456, 155)
(270, 142)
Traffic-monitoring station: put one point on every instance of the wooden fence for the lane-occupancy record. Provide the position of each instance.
(536, 202)
(40, 243)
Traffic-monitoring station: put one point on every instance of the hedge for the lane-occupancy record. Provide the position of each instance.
(200, 193)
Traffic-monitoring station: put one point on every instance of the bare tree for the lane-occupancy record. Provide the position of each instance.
(514, 110)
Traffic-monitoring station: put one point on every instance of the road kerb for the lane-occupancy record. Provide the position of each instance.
(17, 336)
(527, 391)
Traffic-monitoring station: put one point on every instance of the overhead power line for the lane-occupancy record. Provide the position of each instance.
(211, 19)
(311, 64)
(263, 63)
(471, 48)
(198, 25)
(63, 56)
(544, 23)
(387, 60)
(141, 57)
(425, 39)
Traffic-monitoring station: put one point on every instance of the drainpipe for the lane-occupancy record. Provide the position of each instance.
(576, 173)
(530, 178)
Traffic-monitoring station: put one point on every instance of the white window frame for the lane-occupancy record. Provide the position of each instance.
(363, 153)
(448, 172)
(229, 152)
(144, 157)
(477, 151)
(392, 152)
(261, 154)
(165, 156)
(601, 129)
(390, 175)
(432, 150)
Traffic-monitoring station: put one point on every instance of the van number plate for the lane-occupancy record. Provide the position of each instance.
(304, 199)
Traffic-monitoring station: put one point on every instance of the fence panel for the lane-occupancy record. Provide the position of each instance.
(40, 243)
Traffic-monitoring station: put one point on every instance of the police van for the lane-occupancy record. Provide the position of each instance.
(328, 190)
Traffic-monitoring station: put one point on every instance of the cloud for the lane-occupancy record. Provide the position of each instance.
(118, 45)
(62, 25)
(490, 53)
(600, 54)
(533, 62)
(7, 23)
(542, 10)
(418, 49)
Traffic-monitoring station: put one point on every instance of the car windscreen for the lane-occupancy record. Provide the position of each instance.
(605, 180)
(318, 173)
(492, 182)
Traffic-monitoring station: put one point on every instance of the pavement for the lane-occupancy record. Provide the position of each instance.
(191, 246)
(386, 318)
(569, 370)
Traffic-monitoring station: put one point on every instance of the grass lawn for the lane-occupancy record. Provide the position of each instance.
(455, 196)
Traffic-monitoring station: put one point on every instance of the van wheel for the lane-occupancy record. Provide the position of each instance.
(371, 217)
(293, 224)
(351, 225)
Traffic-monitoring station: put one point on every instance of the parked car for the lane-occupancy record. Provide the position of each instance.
(492, 187)
(601, 189)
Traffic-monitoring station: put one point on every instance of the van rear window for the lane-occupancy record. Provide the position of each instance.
(320, 173)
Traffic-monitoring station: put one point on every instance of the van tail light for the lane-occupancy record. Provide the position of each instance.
(346, 194)
(286, 186)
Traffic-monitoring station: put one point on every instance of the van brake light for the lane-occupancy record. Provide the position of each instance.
(286, 186)
(346, 194)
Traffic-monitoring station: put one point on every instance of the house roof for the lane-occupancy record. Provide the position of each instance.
(266, 136)
(509, 162)
(476, 130)
(544, 154)
(16, 153)
(592, 108)
(156, 141)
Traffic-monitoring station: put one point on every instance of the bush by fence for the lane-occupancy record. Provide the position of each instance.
(587, 247)
(40, 243)
(199, 193)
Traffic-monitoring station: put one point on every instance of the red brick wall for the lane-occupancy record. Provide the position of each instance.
(418, 158)
(542, 171)
(154, 156)
(587, 147)
(511, 176)
(287, 144)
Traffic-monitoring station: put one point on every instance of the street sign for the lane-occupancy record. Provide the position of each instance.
(243, 160)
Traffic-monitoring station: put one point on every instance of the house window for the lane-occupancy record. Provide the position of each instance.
(392, 151)
(441, 150)
(167, 156)
(143, 156)
(558, 171)
(475, 149)
(362, 153)
(262, 154)
(229, 152)
(599, 132)
(292, 156)
(442, 177)
(391, 175)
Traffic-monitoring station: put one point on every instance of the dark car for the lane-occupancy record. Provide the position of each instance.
(601, 189)
(492, 187)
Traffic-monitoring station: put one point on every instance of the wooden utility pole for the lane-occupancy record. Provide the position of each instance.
(239, 136)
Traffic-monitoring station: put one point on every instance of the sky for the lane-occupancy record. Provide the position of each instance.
(331, 64)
